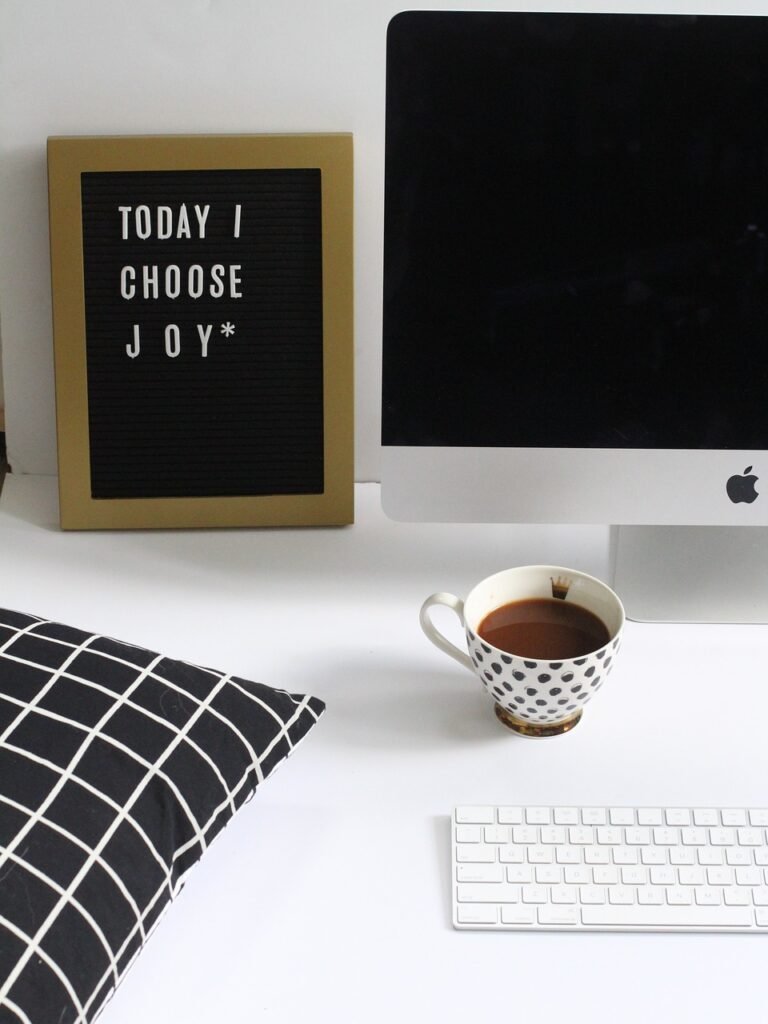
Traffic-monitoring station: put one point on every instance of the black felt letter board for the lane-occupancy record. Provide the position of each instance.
(204, 332)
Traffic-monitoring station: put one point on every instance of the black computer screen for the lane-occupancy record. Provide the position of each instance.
(576, 221)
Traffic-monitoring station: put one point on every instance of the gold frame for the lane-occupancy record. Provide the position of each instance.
(68, 158)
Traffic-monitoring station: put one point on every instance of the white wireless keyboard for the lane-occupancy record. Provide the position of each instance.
(610, 868)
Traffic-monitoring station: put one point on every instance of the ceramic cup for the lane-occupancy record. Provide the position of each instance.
(533, 697)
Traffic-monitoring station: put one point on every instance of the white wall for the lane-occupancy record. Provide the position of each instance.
(151, 66)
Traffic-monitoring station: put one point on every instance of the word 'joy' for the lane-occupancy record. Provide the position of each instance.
(172, 339)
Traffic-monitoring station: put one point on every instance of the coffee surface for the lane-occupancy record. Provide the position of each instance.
(545, 628)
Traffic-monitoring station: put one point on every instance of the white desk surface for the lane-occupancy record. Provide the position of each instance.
(327, 898)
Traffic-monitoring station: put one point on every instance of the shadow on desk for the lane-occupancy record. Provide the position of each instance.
(389, 703)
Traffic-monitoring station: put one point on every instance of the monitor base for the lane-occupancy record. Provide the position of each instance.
(691, 573)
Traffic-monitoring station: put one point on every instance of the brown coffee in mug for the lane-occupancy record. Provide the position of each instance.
(544, 628)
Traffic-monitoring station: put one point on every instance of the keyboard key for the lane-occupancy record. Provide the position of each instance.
(475, 815)
(682, 855)
(748, 876)
(641, 916)
(540, 854)
(649, 895)
(691, 876)
(593, 894)
(653, 855)
(721, 876)
(479, 873)
(510, 815)
(597, 854)
(663, 875)
(693, 836)
(649, 816)
(496, 834)
(663, 835)
(480, 893)
(511, 854)
(738, 856)
(569, 855)
(533, 894)
(553, 835)
(621, 894)
(710, 855)
(707, 896)
(475, 853)
(581, 835)
(678, 897)
(638, 836)
(468, 834)
(520, 873)
(625, 855)
(609, 835)
(548, 874)
(749, 836)
(705, 816)
(537, 816)
(678, 816)
(622, 816)
(594, 816)
(558, 916)
(734, 817)
(566, 816)
(469, 914)
(722, 836)
(758, 818)
(605, 875)
(734, 896)
(577, 874)
(518, 915)
(564, 894)
(634, 876)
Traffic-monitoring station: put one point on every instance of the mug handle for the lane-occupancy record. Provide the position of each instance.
(437, 638)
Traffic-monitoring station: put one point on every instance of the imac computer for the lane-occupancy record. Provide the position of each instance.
(576, 289)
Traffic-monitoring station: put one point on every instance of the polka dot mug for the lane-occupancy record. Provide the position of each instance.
(533, 696)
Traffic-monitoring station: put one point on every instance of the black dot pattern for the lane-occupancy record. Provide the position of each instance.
(540, 691)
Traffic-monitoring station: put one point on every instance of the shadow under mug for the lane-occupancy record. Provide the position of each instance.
(533, 696)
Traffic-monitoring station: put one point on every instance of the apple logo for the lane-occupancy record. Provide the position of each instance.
(742, 488)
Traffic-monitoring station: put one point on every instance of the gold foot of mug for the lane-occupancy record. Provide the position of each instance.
(523, 728)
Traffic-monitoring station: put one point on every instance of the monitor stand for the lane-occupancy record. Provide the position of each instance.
(691, 573)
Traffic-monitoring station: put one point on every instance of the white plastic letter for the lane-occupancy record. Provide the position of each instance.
(217, 281)
(150, 279)
(172, 340)
(143, 222)
(124, 211)
(201, 212)
(238, 210)
(164, 222)
(128, 282)
(195, 281)
(182, 229)
(134, 351)
(172, 281)
(234, 281)
(204, 337)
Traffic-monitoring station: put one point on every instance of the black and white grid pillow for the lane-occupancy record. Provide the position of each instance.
(118, 767)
